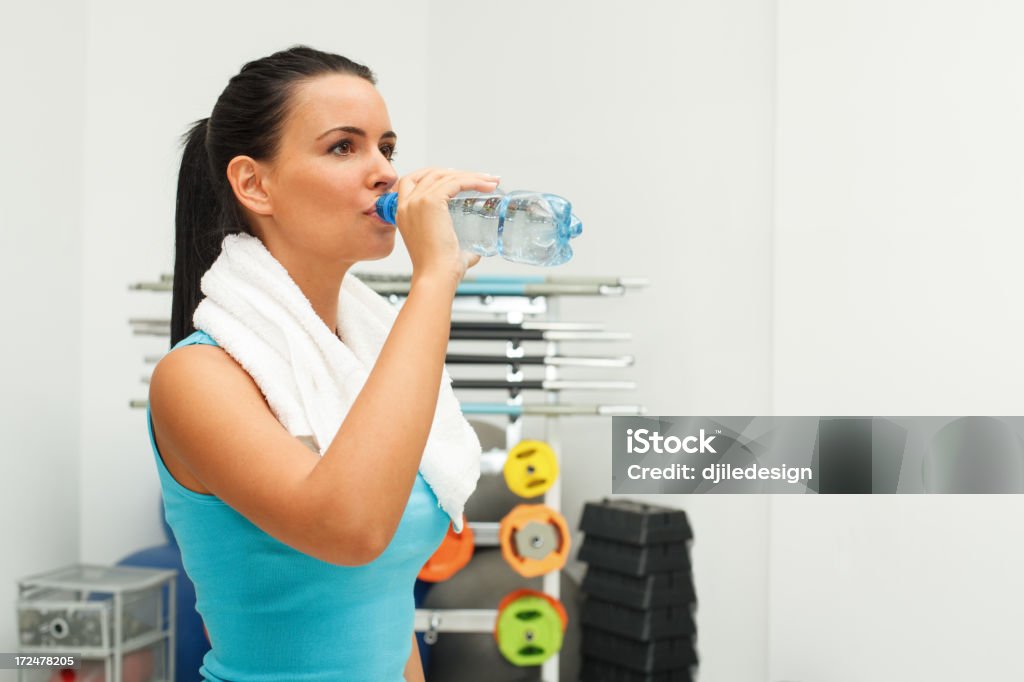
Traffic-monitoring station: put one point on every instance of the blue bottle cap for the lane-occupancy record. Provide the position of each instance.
(387, 207)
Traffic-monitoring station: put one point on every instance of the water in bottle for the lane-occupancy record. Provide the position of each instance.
(523, 227)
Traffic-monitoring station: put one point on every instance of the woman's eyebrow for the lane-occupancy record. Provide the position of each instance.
(357, 131)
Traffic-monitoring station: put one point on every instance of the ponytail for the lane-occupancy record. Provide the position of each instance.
(198, 229)
(246, 120)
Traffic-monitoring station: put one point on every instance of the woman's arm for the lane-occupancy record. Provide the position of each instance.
(363, 481)
(414, 667)
(344, 507)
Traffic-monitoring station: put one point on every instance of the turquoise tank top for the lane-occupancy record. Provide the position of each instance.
(275, 614)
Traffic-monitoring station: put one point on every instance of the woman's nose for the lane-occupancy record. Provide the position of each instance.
(383, 176)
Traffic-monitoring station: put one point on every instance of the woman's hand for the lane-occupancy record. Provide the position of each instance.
(426, 225)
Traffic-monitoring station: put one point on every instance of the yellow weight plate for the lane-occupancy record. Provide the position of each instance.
(531, 468)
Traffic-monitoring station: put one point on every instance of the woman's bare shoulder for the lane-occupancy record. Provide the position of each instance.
(180, 380)
(211, 418)
(199, 380)
(191, 364)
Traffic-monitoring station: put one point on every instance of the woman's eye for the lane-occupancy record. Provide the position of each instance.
(342, 148)
(388, 151)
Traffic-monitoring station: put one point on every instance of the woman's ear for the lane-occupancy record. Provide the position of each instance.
(248, 181)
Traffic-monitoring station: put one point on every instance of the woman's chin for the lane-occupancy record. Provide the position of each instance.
(383, 247)
(376, 257)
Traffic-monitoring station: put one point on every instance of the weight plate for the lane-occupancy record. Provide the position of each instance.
(529, 627)
(451, 556)
(534, 540)
(531, 468)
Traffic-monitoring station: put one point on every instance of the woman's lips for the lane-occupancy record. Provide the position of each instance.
(372, 212)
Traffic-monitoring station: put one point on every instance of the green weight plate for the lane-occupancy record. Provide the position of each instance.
(529, 631)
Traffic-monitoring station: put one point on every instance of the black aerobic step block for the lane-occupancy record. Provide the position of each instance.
(656, 589)
(646, 657)
(635, 522)
(638, 624)
(634, 559)
(596, 670)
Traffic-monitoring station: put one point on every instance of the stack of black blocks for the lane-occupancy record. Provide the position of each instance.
(639, 598)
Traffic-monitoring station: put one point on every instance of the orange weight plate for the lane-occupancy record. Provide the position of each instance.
(451, 557)
(534, 540)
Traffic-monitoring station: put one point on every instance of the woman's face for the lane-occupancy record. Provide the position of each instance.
(333, 162)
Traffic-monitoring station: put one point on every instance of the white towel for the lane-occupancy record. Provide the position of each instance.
(310, 378)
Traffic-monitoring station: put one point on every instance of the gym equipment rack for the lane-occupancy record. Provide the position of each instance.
(507, 301)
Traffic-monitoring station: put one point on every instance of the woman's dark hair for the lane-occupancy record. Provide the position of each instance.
(246, 120)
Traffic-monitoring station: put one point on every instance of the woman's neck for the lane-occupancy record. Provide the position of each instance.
(319, 281)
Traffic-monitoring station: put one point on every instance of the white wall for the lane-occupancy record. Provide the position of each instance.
(899, 185)
(900, 166)
(657, 122)
(40, 272)
(895, 588)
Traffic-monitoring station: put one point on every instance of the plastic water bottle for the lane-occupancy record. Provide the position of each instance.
(523, 227)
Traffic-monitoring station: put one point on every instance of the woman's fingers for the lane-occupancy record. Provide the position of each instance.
(425, 223)
(472, 259)
(407, 183)
(450, 184)
(418, 175)
(426, 180)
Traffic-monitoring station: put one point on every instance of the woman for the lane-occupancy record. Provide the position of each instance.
(304, 564)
